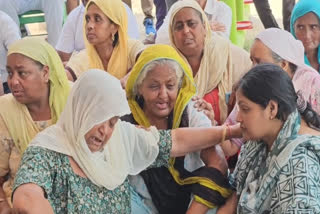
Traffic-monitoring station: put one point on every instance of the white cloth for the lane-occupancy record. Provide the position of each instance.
(192, 160)
(71, 38)
(9, 33)
(53, 13)
(215, 11)
(96, 97)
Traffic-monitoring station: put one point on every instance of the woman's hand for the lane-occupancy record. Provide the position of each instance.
(205, 107)
(217, 26)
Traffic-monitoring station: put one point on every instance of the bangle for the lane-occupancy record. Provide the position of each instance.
(229, 132)
(224, 132)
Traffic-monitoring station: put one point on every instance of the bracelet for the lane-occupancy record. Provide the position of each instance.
(224, 132)
(229, 131)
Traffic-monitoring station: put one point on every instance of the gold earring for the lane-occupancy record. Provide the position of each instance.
(112, 37)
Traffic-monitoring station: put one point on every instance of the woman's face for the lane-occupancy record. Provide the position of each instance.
(98, 136)
(27, 81)
(307, 29)
(99, 28)
(188, 31)
(254, 119)
(159, 90)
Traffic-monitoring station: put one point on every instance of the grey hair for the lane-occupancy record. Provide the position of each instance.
(278, 59)
(151, 65)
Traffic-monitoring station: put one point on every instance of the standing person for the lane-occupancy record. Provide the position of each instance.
(72, 37)
(266, 16)
(305, 26)
(53, 14)
(9, 33)
(161, 11)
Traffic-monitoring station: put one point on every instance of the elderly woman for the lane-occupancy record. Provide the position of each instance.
(39, 89)
(159, 91)
(278, 170)
(305, 26)
(219, 15)
(81, 164)
(216, 64)
(288, 53)
(107, 44)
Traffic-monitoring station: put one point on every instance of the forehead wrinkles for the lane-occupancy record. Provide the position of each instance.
(192, 14)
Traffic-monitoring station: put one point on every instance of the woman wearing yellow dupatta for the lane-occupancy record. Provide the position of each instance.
(39, 86)
(159, 91)
(107, 44)
(216, 63)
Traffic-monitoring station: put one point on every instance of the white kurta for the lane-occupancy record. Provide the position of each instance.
(9, 33)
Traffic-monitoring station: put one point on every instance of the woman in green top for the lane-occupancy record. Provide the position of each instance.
(81, 164)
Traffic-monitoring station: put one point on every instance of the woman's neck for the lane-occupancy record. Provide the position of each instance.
(273, 133)
(40, 110)
(194, 62)
(160, 123)
(312, 56)
(104, 52)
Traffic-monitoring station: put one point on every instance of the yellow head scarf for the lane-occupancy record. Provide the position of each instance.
(216, 65)
(115, 11)
(16, 115)
(186, 91)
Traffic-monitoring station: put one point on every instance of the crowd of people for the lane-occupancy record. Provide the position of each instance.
(95, 119)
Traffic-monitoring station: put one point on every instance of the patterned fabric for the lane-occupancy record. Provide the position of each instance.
(70, 193)
(10, 155)
(192, 161)
(283, 180)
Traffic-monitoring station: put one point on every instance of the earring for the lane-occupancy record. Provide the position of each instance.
(112, 37)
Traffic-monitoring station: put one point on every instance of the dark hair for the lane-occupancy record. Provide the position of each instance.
(308, 114)
(267, 82)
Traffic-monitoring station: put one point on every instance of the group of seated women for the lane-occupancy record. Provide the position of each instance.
(147, 129)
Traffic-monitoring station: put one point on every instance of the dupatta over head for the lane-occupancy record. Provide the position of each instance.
(95, 98)
(216, 64)
(300, 9)
(116, 12)
(16, 115)
(186, 92)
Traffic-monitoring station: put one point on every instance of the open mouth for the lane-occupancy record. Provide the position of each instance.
(96, 141)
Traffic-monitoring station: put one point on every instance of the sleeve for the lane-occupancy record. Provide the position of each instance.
(298, 186)
(37, 166)
(133, 29)
(5, 148)
(225, 17)
(9, 31)
(66, 42)
(145, 147)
